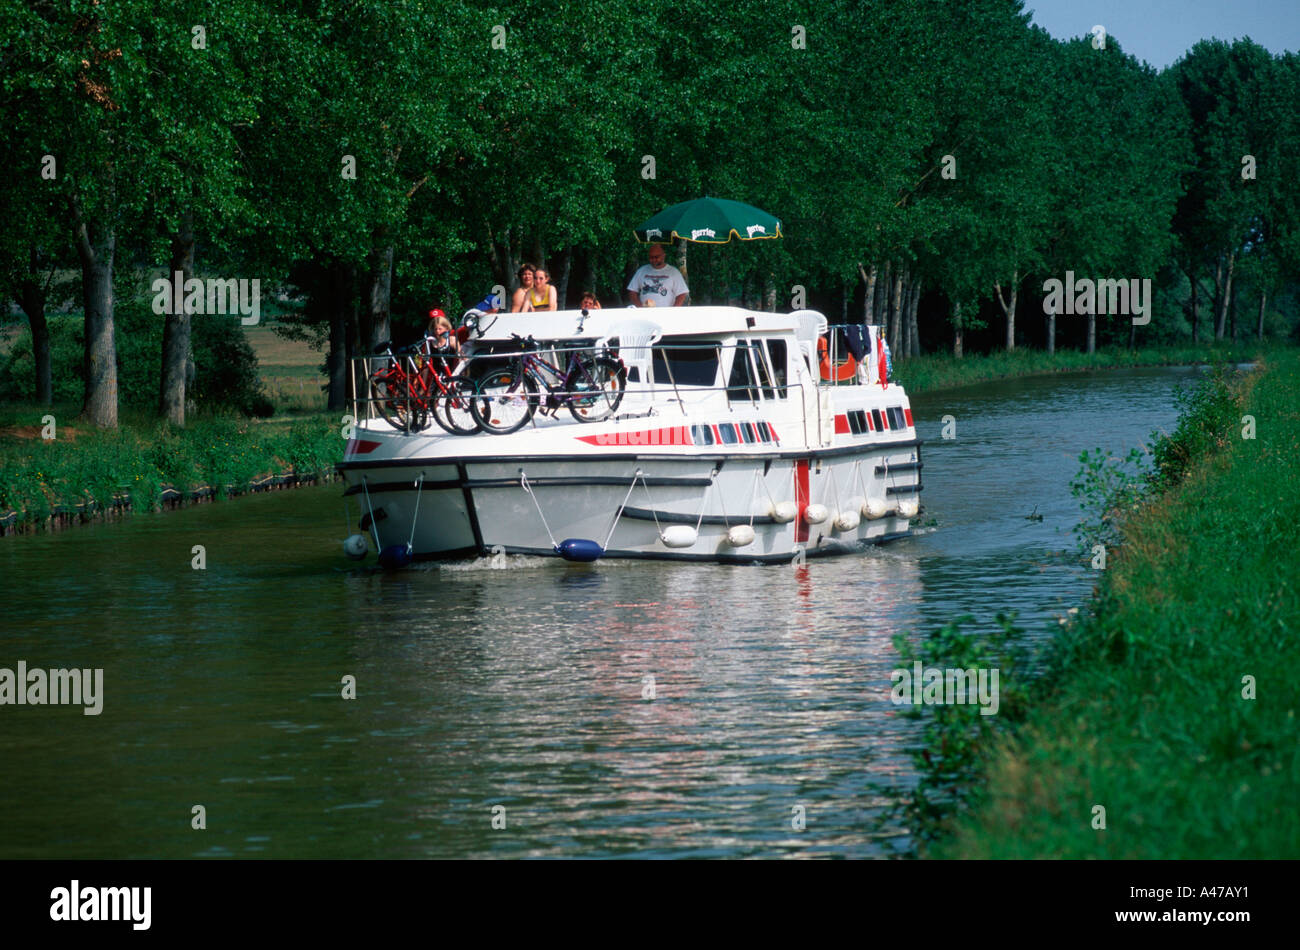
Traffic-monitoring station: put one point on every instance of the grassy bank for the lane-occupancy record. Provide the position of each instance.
(88, 471)
(1173, 704)
(941, 371)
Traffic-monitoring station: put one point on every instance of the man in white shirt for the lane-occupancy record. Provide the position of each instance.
(657, 284)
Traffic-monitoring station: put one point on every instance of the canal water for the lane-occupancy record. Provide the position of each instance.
(529, 708)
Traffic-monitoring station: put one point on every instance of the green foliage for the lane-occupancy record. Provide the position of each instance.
(1209, 416)
(225, 367)
(222, 452)
(955, 738)
(1149, 711)
(226, 372)
(1110, 488)
(940, 371)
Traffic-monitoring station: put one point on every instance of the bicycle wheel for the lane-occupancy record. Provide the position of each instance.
(598, 389)
(455, 410)
(505, 400)
(389, 398)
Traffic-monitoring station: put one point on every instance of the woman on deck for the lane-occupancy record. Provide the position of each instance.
(542, 295)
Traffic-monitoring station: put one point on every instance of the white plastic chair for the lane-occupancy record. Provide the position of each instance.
(635, 339)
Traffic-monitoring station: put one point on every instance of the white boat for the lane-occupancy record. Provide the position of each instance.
(724, 444)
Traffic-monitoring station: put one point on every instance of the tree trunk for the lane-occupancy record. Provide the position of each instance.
(31, 296)
(771, 294)
(1224, 292)
(915, 335)
(844, 301)
(881, 303)
(869, 294)
(1051, 333)
(176, 327)
(904, 325)
(564, 265)
(379, 290)
(1009, 308)
(681, 266)
(1232, 314)
(1092, 333)
(1259, 330)
(95, 248)
(896, 308)
(1196, 312)
(956, 330)
(338, 293)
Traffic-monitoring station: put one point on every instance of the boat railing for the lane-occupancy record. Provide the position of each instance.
(401, 386)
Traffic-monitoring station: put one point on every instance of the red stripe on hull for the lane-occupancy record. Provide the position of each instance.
(801, 499)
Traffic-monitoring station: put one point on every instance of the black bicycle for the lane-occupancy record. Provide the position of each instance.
(591, 386)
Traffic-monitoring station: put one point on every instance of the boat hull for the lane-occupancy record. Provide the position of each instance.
(669, 506)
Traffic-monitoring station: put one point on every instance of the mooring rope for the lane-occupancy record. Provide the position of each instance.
(753, 493)
(523, 483)
(651, 502)
(371, 508)
(618, 514)
(700, 520)
(419, 488)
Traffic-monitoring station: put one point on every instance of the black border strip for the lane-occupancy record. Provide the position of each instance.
(862, 449)
(674, 517)
(891, 490)
(664, 481)
(471, 510)
(900, 467)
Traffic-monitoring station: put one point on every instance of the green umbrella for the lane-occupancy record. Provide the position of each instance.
(709, 221)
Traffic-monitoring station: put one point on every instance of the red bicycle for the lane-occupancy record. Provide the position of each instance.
(420, 382)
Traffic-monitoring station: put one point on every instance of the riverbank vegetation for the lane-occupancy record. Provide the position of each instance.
(1164, 726)
(943, 371)
(365, 162)
(83, 472)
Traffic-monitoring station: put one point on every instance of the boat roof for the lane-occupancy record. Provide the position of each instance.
(674, 321)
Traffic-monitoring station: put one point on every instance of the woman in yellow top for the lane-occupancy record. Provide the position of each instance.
(542, 294)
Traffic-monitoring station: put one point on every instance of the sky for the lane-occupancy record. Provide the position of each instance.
(1161, 31)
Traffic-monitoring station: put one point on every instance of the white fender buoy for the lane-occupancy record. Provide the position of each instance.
(908, 507)
(355, 546)
(784, 512)
(874, 508)
(847, 520)
(678, 536)
(815, 514)
(740, 535)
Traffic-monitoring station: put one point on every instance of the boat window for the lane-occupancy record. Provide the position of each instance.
(686, 366)
(776, 349)
(857, 422)
(741, 386)
(728, 433)
(875, 417)
(702, 435)
(896, 420)
(747, 433)
(763, 434)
